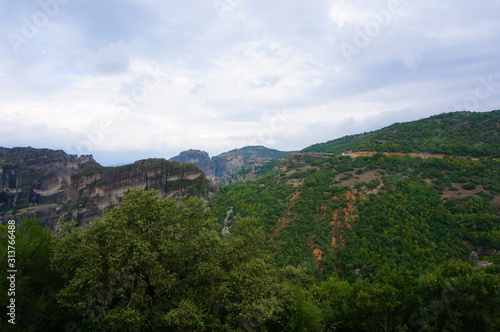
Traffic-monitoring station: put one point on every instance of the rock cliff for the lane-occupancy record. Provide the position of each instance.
(233, 166)
(30, 177)
(232, 161)
(198, 158)
(96, 189)
(52, 185)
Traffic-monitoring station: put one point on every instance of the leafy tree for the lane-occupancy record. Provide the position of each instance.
(154, 263)
(455, 297)
(36, 282)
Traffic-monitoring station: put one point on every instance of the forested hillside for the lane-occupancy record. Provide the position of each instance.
(372, 240)
(346, 215)
(459, 134)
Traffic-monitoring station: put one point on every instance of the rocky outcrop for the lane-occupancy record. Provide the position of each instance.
(482, 265)
(31, 177)
(245, 161)
(52, 185)
(480, 251)
(473, 256)
(198, 158)
(97, 189)
(225, 230)
(236, 165)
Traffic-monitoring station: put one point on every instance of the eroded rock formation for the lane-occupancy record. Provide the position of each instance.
(55, 186)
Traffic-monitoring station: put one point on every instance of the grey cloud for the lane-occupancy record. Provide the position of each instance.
(423, 62)
(268, 81)
(110, 59)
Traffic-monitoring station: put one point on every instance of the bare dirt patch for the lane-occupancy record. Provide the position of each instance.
(295, 182)
(462, 193)
(358, 178)
(496, 204)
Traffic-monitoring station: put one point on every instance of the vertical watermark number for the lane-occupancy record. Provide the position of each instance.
(11, 271)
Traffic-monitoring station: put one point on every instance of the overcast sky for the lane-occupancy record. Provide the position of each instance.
(131, 79)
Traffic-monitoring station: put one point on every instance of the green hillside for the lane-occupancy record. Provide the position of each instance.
(355, 222)
(266, 152)
(362, 213)
(318, 241)
(460, 134)
(389, 240)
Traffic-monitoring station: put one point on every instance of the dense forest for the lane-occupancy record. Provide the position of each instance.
(395, 210)
(323, 240)
(459, 133)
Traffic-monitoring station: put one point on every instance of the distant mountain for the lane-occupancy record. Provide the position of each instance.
(198, 158)
(459, 134)
(248, 158)
(232, 166)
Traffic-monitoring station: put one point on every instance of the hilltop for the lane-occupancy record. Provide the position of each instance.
(378, 191)
(236, 165)
(458, 134)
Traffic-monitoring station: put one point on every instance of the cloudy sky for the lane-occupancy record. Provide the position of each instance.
(131, 79)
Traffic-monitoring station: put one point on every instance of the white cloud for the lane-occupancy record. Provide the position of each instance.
(171, 76)
(344, 12)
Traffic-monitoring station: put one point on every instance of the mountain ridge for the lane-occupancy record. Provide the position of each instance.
(322, 202)
(473, 134)
(52, 185)
(244, 162)
(51, 176)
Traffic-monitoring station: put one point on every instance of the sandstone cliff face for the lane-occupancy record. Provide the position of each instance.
(228, 164)
(222, 168)
(95, 190)
(30, 177)
(52, 185)
(198, 158)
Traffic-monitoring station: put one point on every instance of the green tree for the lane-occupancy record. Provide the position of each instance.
(455, 297)
(381, 305)
(154, 263)
(36, 283)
